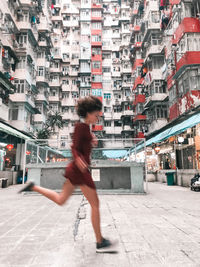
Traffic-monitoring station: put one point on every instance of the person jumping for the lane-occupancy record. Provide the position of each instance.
(77, 172)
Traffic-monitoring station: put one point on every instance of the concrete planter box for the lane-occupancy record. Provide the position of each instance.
(109, 175)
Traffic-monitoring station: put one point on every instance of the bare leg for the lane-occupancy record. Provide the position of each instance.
(58, 198)
(92, 198)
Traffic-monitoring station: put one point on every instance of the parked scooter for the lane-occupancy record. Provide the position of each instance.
(195, 183)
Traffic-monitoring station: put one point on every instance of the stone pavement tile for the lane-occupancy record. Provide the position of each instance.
(157, 229)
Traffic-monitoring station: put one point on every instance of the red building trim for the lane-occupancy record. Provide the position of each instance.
(97, 128)
(136, 28)
(187, 25)
(174, 2)
(140, 117)
(138, 81)
(138, 62)
(189, 58)
(140, 135)
(139, 99)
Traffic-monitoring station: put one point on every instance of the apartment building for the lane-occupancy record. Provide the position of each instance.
(164, 51)
(25, 55)
(55, 51)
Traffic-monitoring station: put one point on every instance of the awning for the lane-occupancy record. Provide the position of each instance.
(177, 129)
(7, 129)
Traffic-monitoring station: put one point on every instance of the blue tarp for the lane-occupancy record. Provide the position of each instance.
(115, 153)
(177, 129)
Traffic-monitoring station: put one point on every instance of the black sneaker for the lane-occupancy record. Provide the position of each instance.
(105, 246)
(28, 187)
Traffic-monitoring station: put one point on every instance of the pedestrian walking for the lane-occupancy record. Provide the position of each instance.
(77, 172)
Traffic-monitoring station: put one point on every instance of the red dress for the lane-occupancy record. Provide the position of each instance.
(81, 147)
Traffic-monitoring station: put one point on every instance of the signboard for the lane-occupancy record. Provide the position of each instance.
(96, 175)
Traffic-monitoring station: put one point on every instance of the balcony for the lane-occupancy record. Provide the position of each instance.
(55, 69)
(54, 98)
(155, 97)
(73, 73)
(127, 113)
(140, 117)
(126, 70)
(43, 26)
(137, 82)
(39, 118)
(41, 97)
(187, 25)
(116, 74)
(106, 47)
(139, 99)
(96, 128)
(96, 6)
(126, 84)
(24, 98)
(56, 18)
(68, 102)
(116, 115)
(54, 83)
(69, 116)
(127, 128)
(66, 87)
(41, 79)
(42, 43)
(85, 84)
(154, 49)
(190, 58)
(137, 63)
(67, 23)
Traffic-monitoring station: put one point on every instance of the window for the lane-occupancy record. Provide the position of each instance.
(158, 62)
(13, 114)
(156, 38)
(96, 51)
(22, 63)
(96, 25)
(96, 64)
(97, 78)
(96, 38)
(161, 111)
(155, 16)
(117, 109)
(40, 71)
(117, 123)
(194, 79)
(106, 69)
(157, 87)
(106, 56)
(97, 92)
(65, 56)
(96, 13)
(22, 39)
(107, 123)
(84, 92)
(20, 86)
(107, 96)
(172, 95)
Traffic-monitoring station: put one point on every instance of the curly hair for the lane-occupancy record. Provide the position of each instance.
(87, 105)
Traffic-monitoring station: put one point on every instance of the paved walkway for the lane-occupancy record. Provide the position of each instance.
(158, 229)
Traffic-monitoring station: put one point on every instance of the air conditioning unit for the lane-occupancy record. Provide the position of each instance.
(146, 44)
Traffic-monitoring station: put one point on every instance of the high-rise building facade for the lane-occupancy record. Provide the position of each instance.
(141, 58)
(164, 51)
(54, 52)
